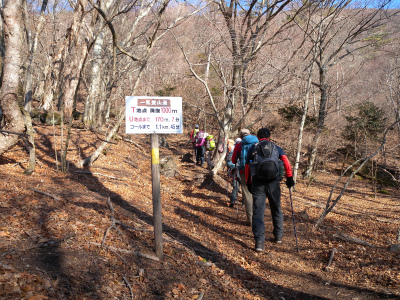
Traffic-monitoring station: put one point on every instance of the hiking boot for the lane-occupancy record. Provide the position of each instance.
(231, 204)
(260, 247)
(276, 240)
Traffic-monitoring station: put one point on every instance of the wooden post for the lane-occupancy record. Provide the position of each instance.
(155, 177)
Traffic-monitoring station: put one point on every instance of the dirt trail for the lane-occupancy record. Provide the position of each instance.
(49, 241)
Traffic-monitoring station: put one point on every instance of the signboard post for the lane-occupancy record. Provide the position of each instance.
(155, 178)
(154, 115)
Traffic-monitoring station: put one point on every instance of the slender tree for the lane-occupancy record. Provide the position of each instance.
(33, 43)
(13, 40)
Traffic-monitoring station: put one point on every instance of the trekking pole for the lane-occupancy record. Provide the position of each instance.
(294, 224)
(227, 189)
(227, 183)
(195, 154)
(237, 197)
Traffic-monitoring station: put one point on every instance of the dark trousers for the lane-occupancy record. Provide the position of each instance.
(200, 155)
(262, 190)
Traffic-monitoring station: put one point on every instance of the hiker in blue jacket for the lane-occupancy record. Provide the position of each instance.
(239, 156)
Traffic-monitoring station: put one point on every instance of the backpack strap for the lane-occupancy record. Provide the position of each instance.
(272, 150)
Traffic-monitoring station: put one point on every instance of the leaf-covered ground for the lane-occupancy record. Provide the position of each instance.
(52, 226)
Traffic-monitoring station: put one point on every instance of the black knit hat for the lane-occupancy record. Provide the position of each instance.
(263, 133)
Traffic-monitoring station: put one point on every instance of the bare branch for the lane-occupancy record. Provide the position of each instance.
(329, 207)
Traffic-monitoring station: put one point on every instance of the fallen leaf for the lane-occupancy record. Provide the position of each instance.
(38, 297)
(175, 291)
(204, 281)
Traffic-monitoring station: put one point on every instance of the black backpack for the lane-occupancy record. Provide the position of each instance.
(265, 164)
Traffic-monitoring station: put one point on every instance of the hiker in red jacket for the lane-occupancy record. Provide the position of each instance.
(264, 159)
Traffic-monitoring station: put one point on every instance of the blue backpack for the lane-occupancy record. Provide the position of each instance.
(247, 142)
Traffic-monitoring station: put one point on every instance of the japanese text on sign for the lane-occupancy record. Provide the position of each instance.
(153, 114)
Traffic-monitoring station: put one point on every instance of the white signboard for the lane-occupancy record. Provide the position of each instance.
(145, 114)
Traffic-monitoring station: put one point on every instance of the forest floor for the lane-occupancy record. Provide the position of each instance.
(52, 226)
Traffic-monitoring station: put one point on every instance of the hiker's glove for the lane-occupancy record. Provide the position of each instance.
(289, 182)
(231, 165)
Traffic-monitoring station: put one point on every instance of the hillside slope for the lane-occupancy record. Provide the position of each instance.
(52, 226)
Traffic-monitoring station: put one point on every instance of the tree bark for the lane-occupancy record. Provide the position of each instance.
(95, 112)
(74, 54)
(2, 47)
(13, 37)
(303, 118)
(321, 121)
(30, 143)
(32, 51)
(94, 97)
(39, 92)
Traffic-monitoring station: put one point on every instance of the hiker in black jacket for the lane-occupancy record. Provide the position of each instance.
(263, 188)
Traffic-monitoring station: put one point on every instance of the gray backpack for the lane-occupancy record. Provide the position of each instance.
(265, 164)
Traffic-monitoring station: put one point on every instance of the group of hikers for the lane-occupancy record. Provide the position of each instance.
(202, 142)
(256, 165)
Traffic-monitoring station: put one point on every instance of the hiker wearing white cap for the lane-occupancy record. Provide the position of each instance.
(239, 156)
(234, 175)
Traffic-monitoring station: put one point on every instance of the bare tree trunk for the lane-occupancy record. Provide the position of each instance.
(228, 113)
(39, 92)
(95, 84)
(303, 118)
(219, 157)
(321, 121)
(393, 81)
(95, 112)
(13, 37)
(52, 83)
(32, 51)
(72, 80)
(55, 65)
(30, 143)
(2, 47)
(76, 49)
